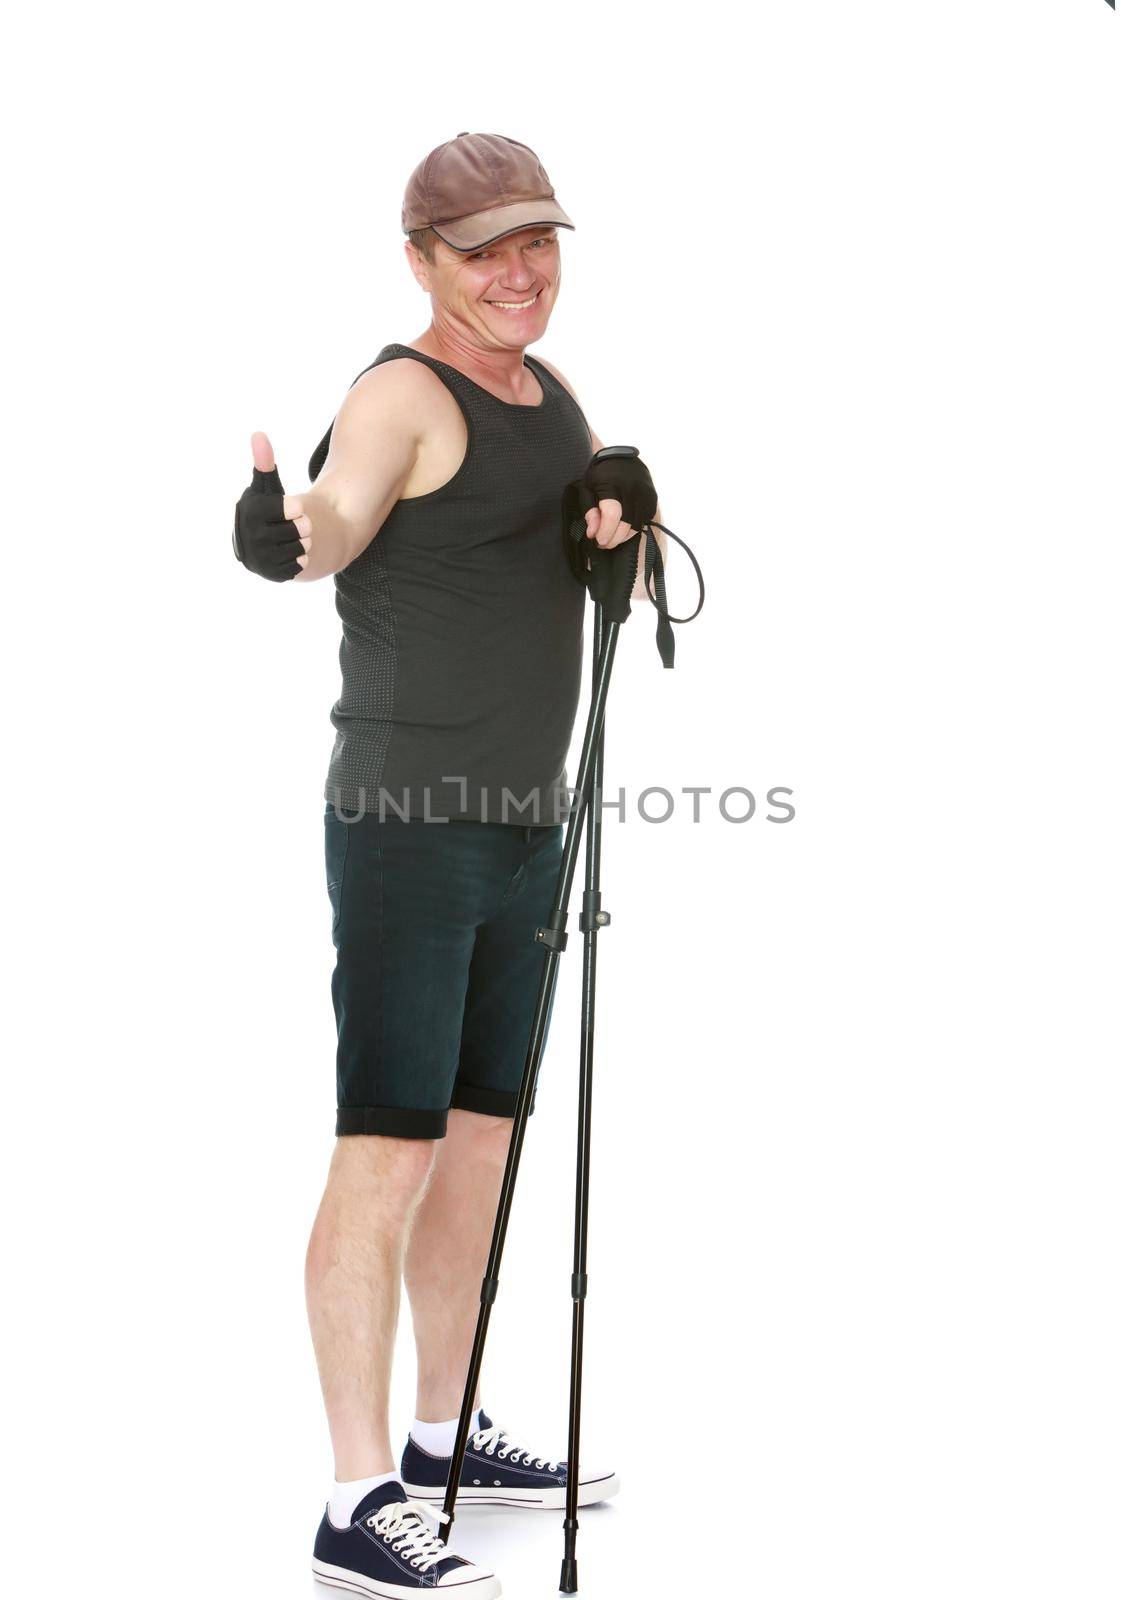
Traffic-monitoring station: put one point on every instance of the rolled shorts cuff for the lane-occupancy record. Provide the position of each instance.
(395, 1122)
(488, 1102)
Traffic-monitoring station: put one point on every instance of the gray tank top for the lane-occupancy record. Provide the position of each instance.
(462, 626)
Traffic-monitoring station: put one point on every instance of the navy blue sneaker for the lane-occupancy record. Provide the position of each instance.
(497, 1471)
(390, 1551)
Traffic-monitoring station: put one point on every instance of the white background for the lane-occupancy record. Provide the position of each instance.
(848, 275)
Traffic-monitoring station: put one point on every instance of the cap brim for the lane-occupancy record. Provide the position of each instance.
(471, 233)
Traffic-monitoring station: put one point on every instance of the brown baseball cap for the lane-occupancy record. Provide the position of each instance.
(477, 187)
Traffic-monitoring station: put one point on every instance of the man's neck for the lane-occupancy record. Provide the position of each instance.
(494, 369)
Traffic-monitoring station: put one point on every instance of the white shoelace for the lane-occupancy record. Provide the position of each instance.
(489, 1439)
(401, 1524)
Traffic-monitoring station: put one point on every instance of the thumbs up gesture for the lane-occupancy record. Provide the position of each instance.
(271, 533)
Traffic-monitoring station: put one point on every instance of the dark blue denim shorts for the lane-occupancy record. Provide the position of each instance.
(437, 968)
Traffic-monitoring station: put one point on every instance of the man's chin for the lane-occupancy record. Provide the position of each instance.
(513, 333)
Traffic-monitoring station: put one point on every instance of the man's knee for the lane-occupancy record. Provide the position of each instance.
(385, 1173)
(474, 1137)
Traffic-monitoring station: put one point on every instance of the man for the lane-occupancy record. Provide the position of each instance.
(435, 507)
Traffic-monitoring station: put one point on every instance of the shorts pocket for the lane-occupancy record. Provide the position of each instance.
(336, 843)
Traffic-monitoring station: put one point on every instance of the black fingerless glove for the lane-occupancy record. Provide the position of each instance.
(265, 540)
(613, 473)
(616, 473)
(625, 478)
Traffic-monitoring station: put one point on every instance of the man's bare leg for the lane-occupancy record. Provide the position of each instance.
(353, 1283)
(447, 1256)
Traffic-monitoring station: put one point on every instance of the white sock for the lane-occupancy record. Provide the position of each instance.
(345, 1497)
(438, 1438)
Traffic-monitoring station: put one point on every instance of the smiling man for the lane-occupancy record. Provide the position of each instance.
(436, 509)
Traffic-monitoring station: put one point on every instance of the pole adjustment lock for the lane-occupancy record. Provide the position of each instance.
(592, 916)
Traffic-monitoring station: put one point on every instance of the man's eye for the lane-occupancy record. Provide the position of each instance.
(546, 238)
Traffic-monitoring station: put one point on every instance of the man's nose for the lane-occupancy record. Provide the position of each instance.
(518, 275)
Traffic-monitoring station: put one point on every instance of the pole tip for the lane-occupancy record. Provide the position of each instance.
(568, 1575)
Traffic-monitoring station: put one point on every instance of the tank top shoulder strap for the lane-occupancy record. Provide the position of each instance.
(471, 396)
(466, 388)
(474, 400)
(552, 385)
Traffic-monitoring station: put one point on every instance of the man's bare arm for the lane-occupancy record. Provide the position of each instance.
(374, 444)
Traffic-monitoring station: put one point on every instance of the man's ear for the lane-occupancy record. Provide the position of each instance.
(418, 264)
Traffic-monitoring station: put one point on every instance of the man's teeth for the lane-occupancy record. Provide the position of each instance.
(514, 305)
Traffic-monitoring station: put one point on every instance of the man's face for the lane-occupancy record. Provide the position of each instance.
(486, 290)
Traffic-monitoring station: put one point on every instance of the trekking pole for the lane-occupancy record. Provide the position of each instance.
(554, 938)
(609, 574)
(592, 919)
